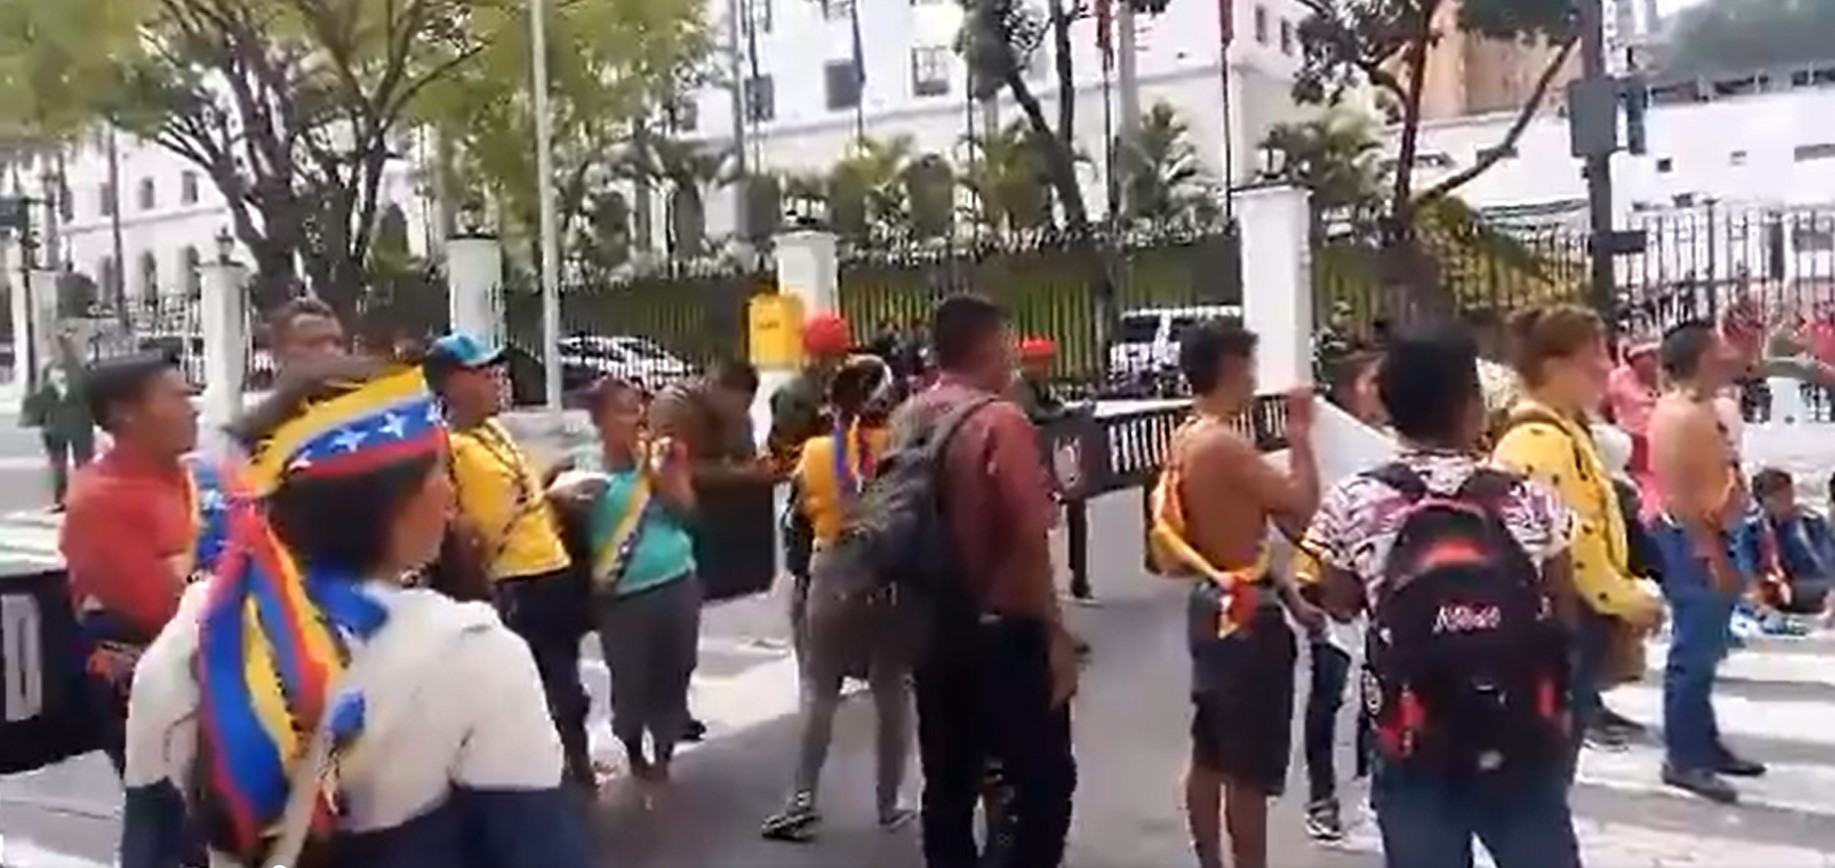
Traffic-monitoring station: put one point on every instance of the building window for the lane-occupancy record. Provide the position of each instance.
(757, 14)
(1286, 37)
(1261, 24)
(66, 203)
(149, 275)
(837, 10)
(108, 200)
(149, 197)
(684, 114)
(842, 81)
(188, 188)
(194, 272)
(1498, 153)
(1737, 158)
(1813, 238)
(1665, 165)
(1808, 153)
(105, 275)
(930, 71)
(760, 99)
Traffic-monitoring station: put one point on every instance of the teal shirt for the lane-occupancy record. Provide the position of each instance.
(665, 551)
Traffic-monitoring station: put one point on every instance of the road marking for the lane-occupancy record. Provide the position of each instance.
(17, 852)
(1759, 666)
(1621, 845)
(1807, 788)
(1806, 721)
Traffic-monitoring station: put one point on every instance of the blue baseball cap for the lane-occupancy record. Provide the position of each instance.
(459, 350)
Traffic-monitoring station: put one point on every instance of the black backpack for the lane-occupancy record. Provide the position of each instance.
(897, 550)
(1467, 665)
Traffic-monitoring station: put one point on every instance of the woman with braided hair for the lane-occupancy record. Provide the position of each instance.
(306, 707)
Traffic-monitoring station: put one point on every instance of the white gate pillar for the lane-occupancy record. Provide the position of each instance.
(474, 277)
(1277, 284)
(809, 271)
(224, 318)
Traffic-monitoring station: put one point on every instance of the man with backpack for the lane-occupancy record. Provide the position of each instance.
(1464, 570)
(956, 524)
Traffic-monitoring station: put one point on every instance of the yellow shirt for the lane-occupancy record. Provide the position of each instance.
(1562, 456)
(818, 487)
(500, 494)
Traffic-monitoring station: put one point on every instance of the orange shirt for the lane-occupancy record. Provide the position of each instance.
(125, 522)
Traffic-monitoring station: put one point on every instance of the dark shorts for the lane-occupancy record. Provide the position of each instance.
(1242, 702)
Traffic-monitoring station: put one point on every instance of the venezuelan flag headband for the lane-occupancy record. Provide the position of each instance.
(272, 640)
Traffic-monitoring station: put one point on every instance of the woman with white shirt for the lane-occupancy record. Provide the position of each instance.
(305, 707)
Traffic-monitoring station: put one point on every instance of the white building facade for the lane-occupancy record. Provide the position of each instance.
(805, 117)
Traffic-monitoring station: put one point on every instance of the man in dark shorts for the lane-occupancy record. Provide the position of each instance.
(1214, 506)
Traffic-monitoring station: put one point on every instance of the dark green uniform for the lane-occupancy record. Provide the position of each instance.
(61, 415)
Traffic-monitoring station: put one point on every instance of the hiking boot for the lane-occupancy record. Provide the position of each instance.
(1733, 765)
(1323, 824)
(795, 823)
(1702, 782)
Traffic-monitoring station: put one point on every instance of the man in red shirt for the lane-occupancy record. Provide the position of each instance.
(1001, 695)
(130, 530)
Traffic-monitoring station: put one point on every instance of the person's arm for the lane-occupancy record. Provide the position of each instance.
(1325, 551)
(673, 415)
(507, 775)
(1023, 492)
(155, 830)
(674, 480)
(110, 555)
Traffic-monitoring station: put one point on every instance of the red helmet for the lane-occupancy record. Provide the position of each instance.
(826, 334)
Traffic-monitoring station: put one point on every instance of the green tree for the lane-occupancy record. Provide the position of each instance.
(1384, 44)
(689, 170)
(610, 63)
(1746, 35)
(1166, 182)
(1005, 174)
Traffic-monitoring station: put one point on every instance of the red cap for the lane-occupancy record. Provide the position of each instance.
(826, 334)
(1037, 348)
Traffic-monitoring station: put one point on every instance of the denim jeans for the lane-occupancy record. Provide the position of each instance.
(1520, 814)
(1330, 667)
(1700, 637)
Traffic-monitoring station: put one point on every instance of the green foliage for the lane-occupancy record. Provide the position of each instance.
(688, 170)
(1745, 35)
(930, 184)
(1336, 158)
(1005, 172)
(1166, 182)
(609, 63)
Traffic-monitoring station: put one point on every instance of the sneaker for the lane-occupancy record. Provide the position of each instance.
(1323, 823)
(694, 730)
(1613, 720)
(795, 823)
(1606, 738)
(895, 818)
(1702, 782)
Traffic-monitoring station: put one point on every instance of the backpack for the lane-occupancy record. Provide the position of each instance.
(896, 564)
(1467, 665)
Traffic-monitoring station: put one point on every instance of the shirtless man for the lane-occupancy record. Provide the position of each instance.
(1242, 649)
(1702, 502)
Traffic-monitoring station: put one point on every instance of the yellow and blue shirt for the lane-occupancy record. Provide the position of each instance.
(500, 494)
(830, 471)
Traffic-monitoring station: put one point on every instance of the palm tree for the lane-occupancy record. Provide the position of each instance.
(1166, 181)
(1007, 178)
(690, 170)
(866, 190)
(1337, 158)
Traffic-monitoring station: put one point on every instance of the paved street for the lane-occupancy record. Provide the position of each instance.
(23, 481)
(1776, 703)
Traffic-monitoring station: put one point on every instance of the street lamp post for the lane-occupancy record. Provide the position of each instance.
(544, 185)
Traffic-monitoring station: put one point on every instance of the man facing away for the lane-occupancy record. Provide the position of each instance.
(128, 538)
(1702, 504)
(1224, 494)
(998, 688)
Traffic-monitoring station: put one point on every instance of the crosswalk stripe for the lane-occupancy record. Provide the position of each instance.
(1622, 845)
(1806, 721)
(17, 852)
(1757, 665)
(1807, 788)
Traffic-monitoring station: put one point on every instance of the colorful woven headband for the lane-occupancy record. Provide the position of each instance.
(385, 420)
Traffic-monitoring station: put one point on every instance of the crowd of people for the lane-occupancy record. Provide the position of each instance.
(351, 633)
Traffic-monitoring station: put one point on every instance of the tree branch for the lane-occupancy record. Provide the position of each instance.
(1487, 159)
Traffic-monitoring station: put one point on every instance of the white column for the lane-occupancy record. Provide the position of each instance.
(20, 303)
(808, 269)
(1277, 285)
(474, 271)
(44, 316)
(224, 318)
